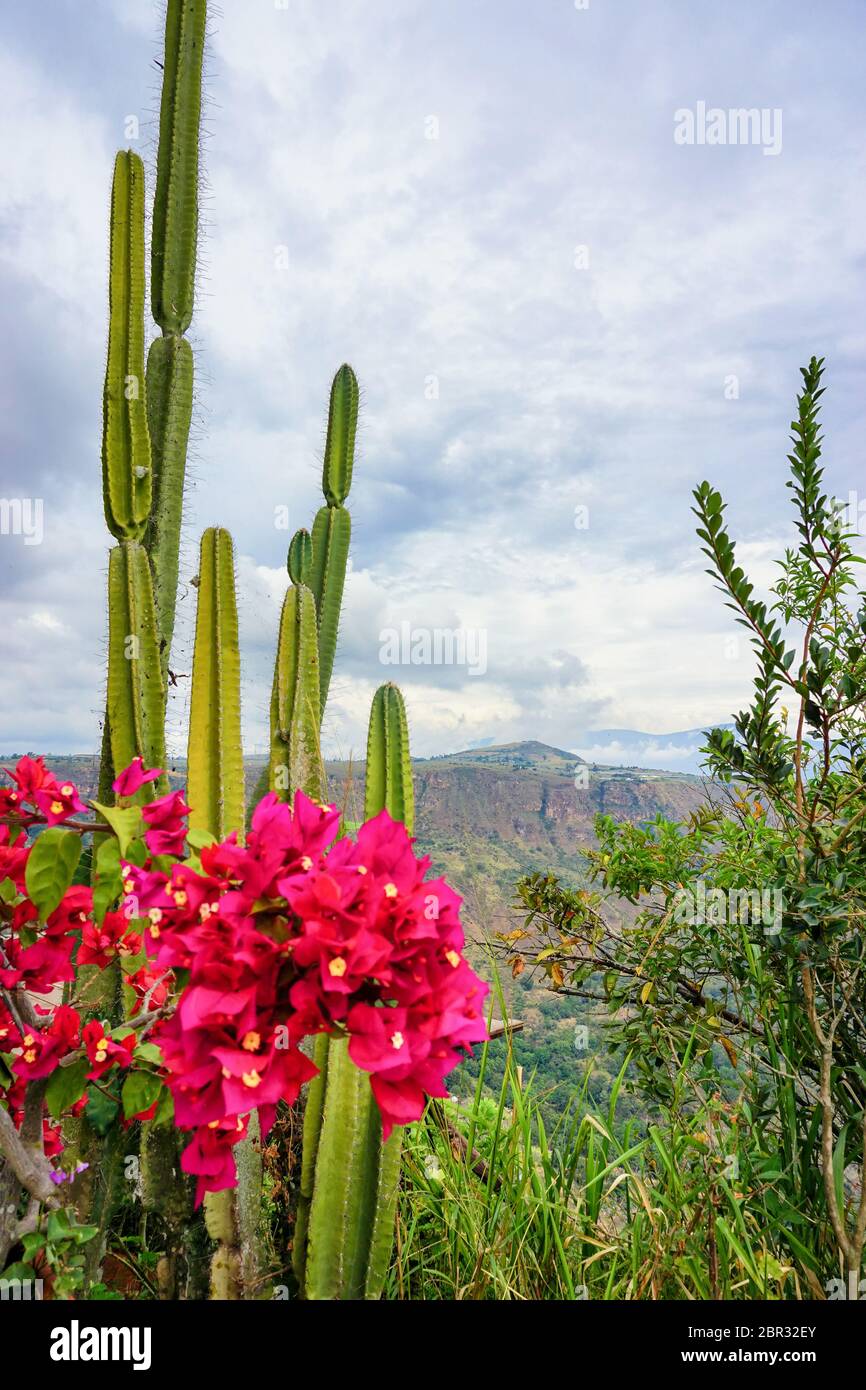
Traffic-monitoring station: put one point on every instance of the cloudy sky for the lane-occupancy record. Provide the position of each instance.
(483, 207)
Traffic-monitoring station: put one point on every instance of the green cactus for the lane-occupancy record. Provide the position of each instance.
(215, 789)
(332, 528)
(172, 288)
(349, 1178)
(215, 769)
(126, 465)
(296, 759)
(388, 785)
(175, 207)
(169, 386)
(300, 557)
(340, 439)
(136, 694)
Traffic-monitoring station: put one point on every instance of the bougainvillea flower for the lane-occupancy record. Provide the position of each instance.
(58, 802)
(42, 1049)
(30, 776)
(102, 1051)
(12, 804)
(72, 911)
(167, 833)
(9, 1034)
(134, 777)
(209, 1157)
(100, 945)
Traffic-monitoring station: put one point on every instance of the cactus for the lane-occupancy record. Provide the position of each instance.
(295, 759)
(300, 557)
(126, 467)
(349, 1178)
(332, 527)
(172, 289)
(169, 387)
(136, 694)
(175, 205)
(215, 770)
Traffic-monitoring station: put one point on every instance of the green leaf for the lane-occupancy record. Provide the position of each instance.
(58, 1225)
(101, 1111)
(8, 891)
(66, 1086)
(139, 1091)
(200, 839)
(109, 884)
(50, 867)
(165, 1109)
(124, 821)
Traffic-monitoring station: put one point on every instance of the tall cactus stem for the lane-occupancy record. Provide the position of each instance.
(169, 412)
(175, 209)
(296, 759)
(126, 463)
(136, 694)
(313, 1106)
(332, 532)
(339, 1213)
(388, 782)
(340, 439)
(215, 773)
(215, 790)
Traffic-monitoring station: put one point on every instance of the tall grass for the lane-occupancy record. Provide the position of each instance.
(495, 1206)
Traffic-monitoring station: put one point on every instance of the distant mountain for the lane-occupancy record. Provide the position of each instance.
(530, 755)
(676, 752)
